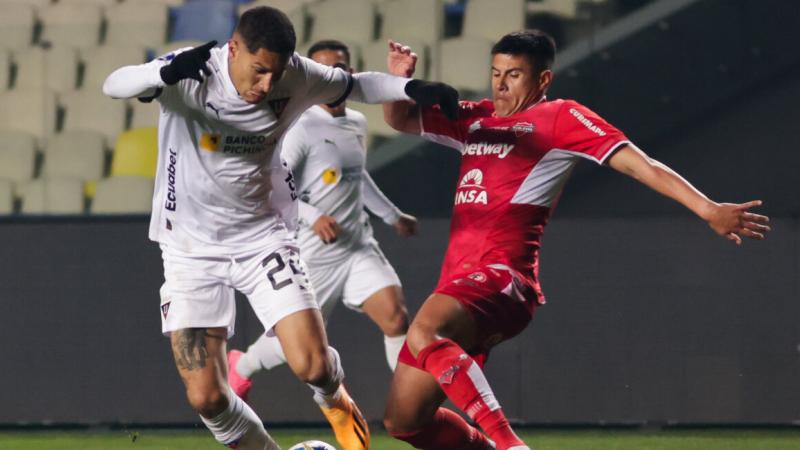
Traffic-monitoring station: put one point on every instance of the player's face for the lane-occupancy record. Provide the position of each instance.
(254, 74)
(516, 84)
(333, 58)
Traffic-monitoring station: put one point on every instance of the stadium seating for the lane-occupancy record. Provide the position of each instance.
(6, 197)
(17, 24)
(123, 195)
(102, 3)
(565, 9)
(144, 115)
(296, 10)
(17, 156)
(175, 45)
(376, 126)
(346, 20)
(406, 20)
(286, 6)
(35, 68)
(52, 196)
(5, 69)
(75, 154)
(93, 111)
(136, 153)
(491, 19)
(101, 61)
(76, 25)
(373, 56)
(137, 24)
(471, 74)
(34, 3)
(29, 110)
(203, 20)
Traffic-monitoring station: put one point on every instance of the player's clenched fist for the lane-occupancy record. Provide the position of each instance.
(429, 93)
(326, 228)
(188, 64)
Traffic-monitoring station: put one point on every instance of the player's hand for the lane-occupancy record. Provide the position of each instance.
(188, 64)
(402, 61)
(734, 221)
(327, 229)
(406, 225)
(429, 93)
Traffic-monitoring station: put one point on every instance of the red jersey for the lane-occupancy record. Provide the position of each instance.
(512, 172)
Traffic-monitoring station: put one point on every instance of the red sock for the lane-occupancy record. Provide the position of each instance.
(466, 386)
(447, 432)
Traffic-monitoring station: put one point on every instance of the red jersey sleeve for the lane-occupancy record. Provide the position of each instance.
(436, 127)
(579, 129)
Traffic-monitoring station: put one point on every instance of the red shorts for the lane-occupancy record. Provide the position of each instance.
(500, 301)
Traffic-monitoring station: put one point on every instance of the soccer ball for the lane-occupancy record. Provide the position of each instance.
(312, 445)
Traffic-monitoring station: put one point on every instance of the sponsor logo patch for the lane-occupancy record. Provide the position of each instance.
(480, 277)
(210, 142)
(486, 148)
(586, 122)
(329, 176)
(471, 189)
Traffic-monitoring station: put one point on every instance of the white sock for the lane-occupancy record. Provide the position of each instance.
(328, 395)
(264, 353)
(239, 425)
(393, 346)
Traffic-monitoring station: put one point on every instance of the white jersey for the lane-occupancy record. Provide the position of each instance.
(327, 156)
(221, 187)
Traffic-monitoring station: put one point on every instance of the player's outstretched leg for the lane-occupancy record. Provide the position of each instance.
(305, 345)
(387, 309)
(459, 376)
(263, 354)
(413, 414)
(200, 358)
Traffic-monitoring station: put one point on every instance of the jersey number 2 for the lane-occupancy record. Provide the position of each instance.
(278, 267)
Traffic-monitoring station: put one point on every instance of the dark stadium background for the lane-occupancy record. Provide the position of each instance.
(651, 319)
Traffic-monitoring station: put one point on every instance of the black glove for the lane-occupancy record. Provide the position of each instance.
(188, 64)
(429, 93)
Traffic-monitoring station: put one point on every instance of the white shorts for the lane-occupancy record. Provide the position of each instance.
(353, 280)
(199, 291)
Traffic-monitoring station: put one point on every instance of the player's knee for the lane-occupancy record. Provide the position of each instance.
(420, 336)
(314, 369)
(207, 402)
(396, 425)
(396, 324)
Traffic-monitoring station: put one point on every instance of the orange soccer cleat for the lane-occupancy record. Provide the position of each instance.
(348, 423)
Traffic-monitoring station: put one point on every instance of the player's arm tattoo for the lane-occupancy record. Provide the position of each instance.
(189, 348)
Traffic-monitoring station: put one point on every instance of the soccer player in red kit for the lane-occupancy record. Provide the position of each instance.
(518, 150)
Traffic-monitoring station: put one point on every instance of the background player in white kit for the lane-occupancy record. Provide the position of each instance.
(224, 203)
(326, 153)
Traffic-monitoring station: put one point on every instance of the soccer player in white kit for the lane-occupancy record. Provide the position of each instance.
(224, 203)
(325, 151)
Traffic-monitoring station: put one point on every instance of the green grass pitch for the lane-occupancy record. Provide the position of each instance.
(540, 440)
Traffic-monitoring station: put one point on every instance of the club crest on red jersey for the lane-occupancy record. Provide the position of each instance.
(522, 128)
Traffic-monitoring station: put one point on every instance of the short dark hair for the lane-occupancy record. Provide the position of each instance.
(268, 28)
(330, 44)
(537, 45)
